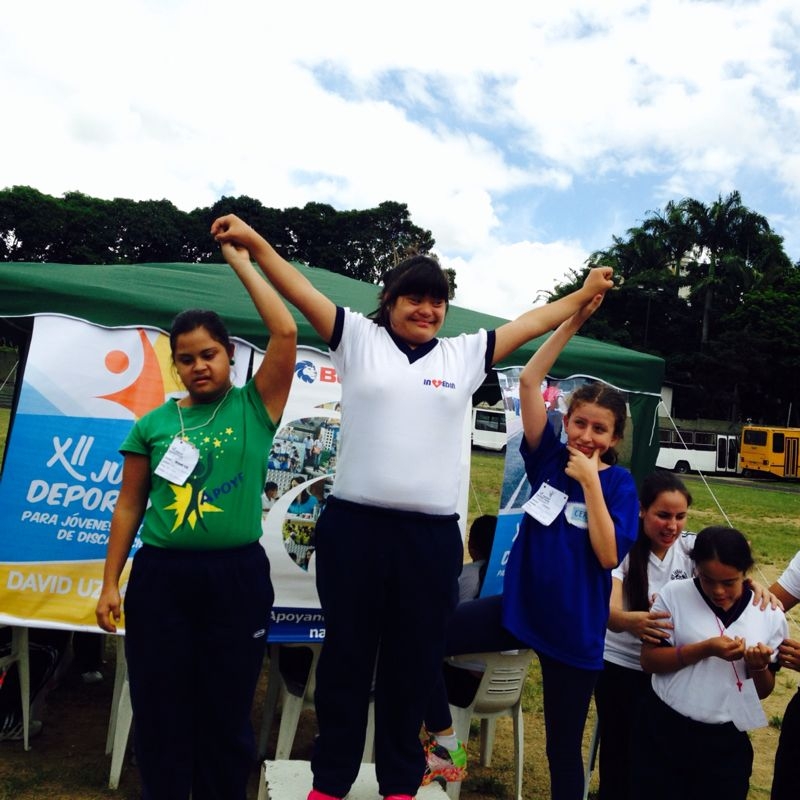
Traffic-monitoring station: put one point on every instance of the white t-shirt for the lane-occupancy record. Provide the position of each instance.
(403, 416)
(706, 690)
(624, 648)
(469, 582)
(790, 580)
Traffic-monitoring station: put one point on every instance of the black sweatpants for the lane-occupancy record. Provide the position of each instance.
(195, 633)
(618, 695)
(387, 583)
(674, 756)
(785, 778)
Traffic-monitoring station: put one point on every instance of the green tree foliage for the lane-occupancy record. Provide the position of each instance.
(697, 285)
(78, 229)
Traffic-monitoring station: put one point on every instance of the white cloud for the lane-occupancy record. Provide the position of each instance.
(448, 107)
(507, 280)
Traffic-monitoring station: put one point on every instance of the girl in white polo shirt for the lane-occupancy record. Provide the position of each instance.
(662, 553)
(708, 678)
(389, 548)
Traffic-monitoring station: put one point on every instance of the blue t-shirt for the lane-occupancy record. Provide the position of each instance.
(556, 594)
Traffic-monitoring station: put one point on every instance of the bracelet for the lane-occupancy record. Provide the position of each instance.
(763, 669)
(679, 654)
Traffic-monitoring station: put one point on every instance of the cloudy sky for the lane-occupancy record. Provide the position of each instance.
(524, 134)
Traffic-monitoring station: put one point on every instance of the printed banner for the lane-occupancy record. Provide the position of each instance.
(83, 388)
(516, 487)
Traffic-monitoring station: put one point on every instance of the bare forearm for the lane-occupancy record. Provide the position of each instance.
(671, 659)
(273, 311)
(120, 540)
(601, 525)
(535, 371)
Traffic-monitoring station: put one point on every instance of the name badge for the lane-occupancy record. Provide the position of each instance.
(577, 515)
(178, 462)
(546, 504)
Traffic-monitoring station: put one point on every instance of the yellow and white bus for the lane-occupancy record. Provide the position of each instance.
(770, 450)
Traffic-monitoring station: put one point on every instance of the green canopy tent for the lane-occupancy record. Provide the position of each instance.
(151, 294)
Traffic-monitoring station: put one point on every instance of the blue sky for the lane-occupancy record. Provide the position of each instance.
(524, 135)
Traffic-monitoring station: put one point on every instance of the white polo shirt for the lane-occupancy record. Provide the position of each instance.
(790, 580)
(702, 691)
(624, 648)
(403, 415)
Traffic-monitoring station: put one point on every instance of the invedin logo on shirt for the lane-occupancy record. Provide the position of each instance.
(307, 372)
(438, 383)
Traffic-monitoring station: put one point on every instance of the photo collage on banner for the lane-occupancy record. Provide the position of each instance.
(300, 468)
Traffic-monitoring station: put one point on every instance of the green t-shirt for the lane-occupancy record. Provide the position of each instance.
(219, 505)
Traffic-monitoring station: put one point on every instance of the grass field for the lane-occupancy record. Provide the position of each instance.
(67, 761)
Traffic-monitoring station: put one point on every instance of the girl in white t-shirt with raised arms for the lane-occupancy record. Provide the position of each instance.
(389, 547)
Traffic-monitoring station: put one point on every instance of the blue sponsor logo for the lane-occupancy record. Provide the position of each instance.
(306, 371)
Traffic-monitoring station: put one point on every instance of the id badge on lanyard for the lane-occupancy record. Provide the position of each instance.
(546, 504)
(178, 462)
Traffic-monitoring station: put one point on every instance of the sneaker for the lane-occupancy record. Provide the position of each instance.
(92, 676)
(449, 765)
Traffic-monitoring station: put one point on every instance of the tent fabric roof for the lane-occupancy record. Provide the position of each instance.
(151, 294)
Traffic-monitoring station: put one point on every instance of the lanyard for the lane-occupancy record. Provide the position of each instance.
(733, 666)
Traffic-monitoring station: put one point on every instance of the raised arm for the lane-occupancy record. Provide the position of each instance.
(539, 320)
(273, 378)
(533, 410)
(125, 521)
(290, 282)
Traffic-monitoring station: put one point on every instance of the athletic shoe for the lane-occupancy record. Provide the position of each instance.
(92, 676)
(449, 765)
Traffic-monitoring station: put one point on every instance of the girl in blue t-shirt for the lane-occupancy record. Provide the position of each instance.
(578, 525)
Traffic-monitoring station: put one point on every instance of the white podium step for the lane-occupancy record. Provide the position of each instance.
(291, 780)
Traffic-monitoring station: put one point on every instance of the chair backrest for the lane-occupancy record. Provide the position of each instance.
(503, 678)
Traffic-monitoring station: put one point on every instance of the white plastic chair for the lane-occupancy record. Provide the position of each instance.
(119, 724)
(292, 705)
(498, 695)
(20, 656)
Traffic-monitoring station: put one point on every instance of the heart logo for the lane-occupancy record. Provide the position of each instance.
(436, 383)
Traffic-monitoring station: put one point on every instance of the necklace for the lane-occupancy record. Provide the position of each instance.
(202, 424)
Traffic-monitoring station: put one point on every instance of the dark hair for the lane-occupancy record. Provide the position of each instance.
(726, 545)
(194, 318)
(605, 396)
(270, 486)
(417, 275)
(636, 584)
(481, 536)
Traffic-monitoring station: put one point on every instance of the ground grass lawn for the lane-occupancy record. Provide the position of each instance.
(68, 762)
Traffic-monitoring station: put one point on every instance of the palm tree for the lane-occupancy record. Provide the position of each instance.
(727, 236)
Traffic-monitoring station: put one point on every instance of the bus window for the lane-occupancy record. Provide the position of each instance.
(755, 438)
(705, 441)
(777, 442)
